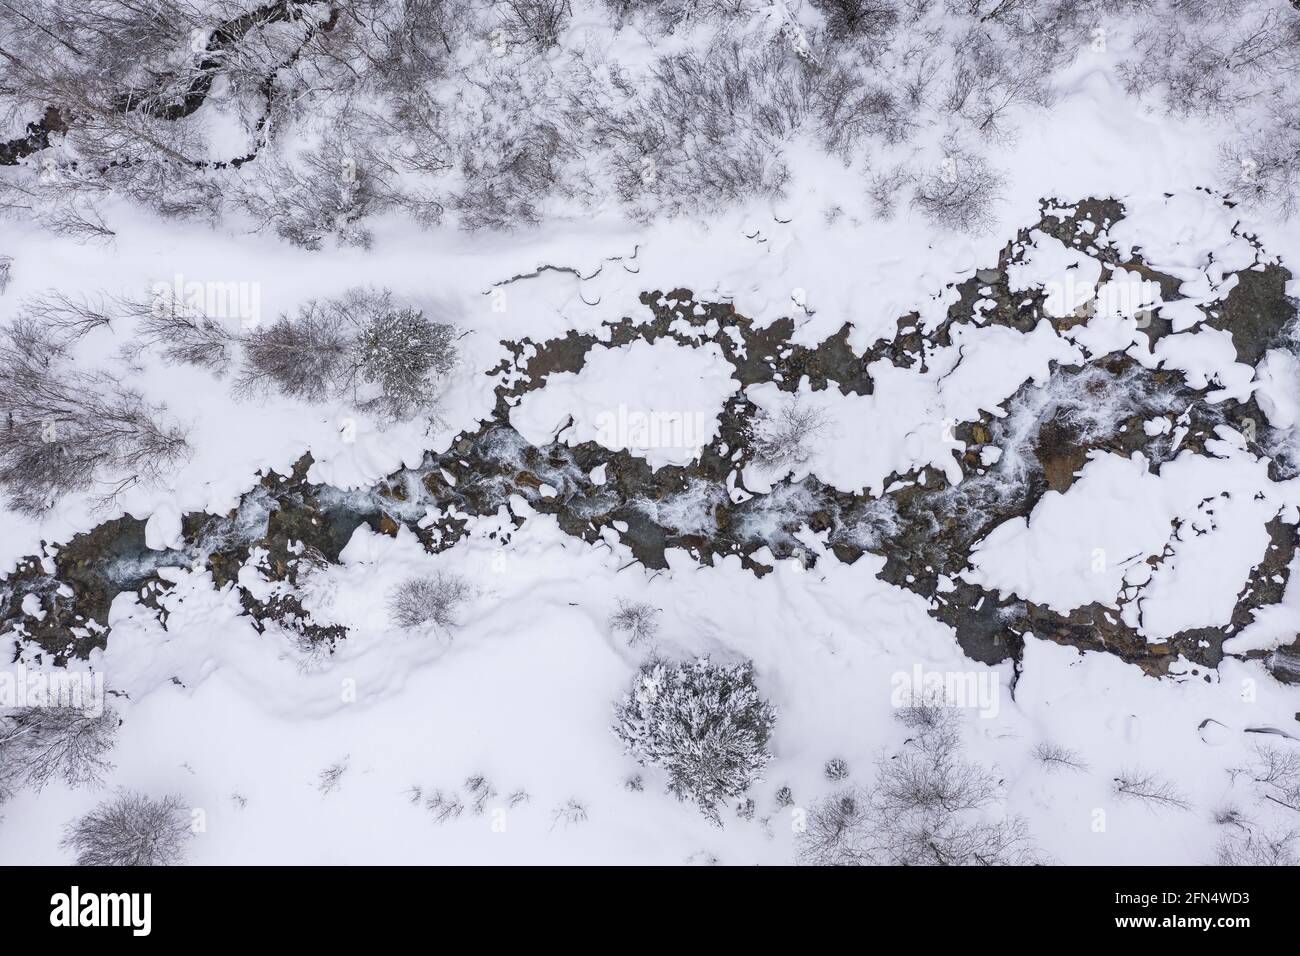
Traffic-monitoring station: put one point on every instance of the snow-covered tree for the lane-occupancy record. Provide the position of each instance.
(402, 352)
(705, 724)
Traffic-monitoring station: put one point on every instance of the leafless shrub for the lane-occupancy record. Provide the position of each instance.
(64, 205)
(418, 602)
(960, 193)
(568, 813)
(536, 23)
(990, 77)
(1136, 784)
(784, 438)
(444, 806)
(1263, 167)
(883, 189)
(329, 779)
(837, 831)
(39, 744)
(1229, 816)
(1056, 757)
(1213, 56)
(131, 829)
(1259, 848)
(65, 429)
(637, 619)
(480, 792)
(326, 192)
(1276, 770)
(6, 272)
(928, 806)
(513, 151)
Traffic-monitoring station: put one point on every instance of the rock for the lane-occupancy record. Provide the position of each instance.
(388, 526)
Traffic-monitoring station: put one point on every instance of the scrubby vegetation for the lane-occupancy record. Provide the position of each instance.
(500, 113)
(703, 723)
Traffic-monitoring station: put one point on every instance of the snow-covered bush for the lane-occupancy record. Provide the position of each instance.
(402, 352)
(705, 724)
(131, 829)
(434, 600)
(40, 744)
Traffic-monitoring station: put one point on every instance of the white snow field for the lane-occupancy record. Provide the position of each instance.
(488, 739)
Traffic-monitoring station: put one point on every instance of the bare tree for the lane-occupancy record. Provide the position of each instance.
(66, 429)
(39, 744)
(181, 334)
(70, 317)
(1150, 788)
(1056, 757)
(131, 829)
(305, 356)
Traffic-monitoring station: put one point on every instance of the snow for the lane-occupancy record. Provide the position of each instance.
(660, 400)
(242, 723)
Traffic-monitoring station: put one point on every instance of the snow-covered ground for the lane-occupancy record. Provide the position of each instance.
(285, 755)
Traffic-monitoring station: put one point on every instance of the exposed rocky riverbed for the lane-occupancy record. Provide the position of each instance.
(923, 527)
